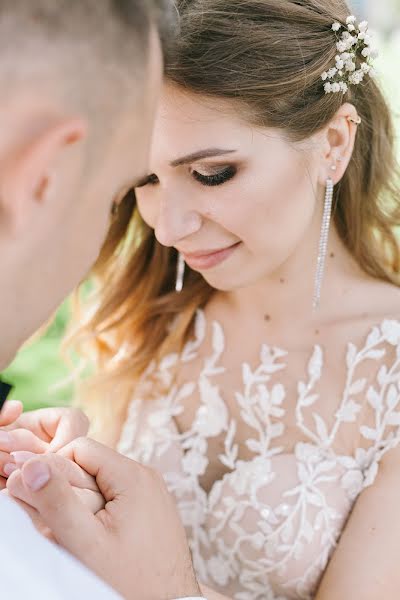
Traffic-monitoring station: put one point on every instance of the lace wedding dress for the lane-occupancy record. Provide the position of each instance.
(266, 529)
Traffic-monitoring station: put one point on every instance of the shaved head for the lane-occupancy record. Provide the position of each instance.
(86, 52)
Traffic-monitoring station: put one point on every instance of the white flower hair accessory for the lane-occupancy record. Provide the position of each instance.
(354, 58)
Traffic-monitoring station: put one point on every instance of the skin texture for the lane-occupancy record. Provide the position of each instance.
(57, 186)
(273, 208)
(50, 155)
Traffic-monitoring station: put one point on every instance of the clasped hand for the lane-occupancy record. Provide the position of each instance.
(112, 513)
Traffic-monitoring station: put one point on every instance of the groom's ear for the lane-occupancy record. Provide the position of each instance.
(28, 172)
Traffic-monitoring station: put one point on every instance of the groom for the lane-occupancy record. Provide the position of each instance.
(79, 83)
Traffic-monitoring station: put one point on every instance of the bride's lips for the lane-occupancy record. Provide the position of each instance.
(209, 258)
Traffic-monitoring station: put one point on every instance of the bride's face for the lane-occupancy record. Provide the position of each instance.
(235, 200)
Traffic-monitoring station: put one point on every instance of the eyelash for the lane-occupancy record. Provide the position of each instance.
(207, 180)
(217, 178)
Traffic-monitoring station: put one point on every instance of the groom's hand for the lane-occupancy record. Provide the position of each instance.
(83, 485)
(137, 543)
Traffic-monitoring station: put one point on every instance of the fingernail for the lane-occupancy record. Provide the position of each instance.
(9, 468)
(5, 440)
(35, 475)
(22, 457)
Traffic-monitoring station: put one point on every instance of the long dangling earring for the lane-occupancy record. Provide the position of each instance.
(323, 241)
(180, 273)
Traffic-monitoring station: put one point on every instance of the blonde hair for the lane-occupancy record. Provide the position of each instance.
(266, 57)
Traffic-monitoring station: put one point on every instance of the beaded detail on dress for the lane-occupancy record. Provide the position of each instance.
(267, 528)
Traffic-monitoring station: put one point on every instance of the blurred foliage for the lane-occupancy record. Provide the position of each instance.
(39, 371)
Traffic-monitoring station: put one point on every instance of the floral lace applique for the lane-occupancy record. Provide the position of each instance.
(267, 528)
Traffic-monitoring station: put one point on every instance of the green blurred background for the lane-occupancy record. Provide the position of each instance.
(39, 373)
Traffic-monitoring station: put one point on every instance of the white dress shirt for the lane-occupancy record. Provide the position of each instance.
(32, 567)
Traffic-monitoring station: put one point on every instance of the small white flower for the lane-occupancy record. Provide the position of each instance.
(361, 35)
(336, 26)
(351, 19)
(368, 39)
(363, 26)
(365, 67)
(335, 87)
(356, 77)
(341, 46)
(351, 27)
(366, 52)
(339, 64)
(324, 76)
(345, 56)
(350, 66)
(346, 35)
(340, 73)
(328, 88)
(332, 72)
(344, 87)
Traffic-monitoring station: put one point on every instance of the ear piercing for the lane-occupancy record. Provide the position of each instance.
(334, 167)
(356, 121)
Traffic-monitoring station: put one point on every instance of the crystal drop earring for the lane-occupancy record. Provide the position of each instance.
(180, 273)
(323, 241)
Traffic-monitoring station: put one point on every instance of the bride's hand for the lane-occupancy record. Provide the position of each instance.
(39, 431)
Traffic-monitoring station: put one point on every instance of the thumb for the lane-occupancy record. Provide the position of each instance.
(73, 525)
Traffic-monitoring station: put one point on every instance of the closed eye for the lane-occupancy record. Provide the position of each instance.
(215, 178)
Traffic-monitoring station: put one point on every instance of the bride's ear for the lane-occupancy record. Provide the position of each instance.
(338, 143)
(27, 172)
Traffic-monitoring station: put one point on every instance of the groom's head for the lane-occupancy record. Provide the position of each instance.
(78, 86)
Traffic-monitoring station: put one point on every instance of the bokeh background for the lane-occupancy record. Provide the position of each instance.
(39, 373)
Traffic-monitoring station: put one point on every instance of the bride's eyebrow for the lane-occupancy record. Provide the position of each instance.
(194, 156)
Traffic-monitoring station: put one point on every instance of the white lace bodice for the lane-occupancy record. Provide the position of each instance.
(267, 528)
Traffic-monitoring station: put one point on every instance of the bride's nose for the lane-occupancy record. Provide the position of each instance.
(175, 222)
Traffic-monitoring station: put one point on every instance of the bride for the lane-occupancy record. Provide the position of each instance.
(246, 328)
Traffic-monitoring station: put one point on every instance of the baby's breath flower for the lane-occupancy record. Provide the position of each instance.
(352, 63)
(350, 66)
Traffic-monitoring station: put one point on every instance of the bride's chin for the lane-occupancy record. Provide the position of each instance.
(222, 284)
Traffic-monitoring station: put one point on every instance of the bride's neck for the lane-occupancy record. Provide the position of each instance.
(287, 295)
